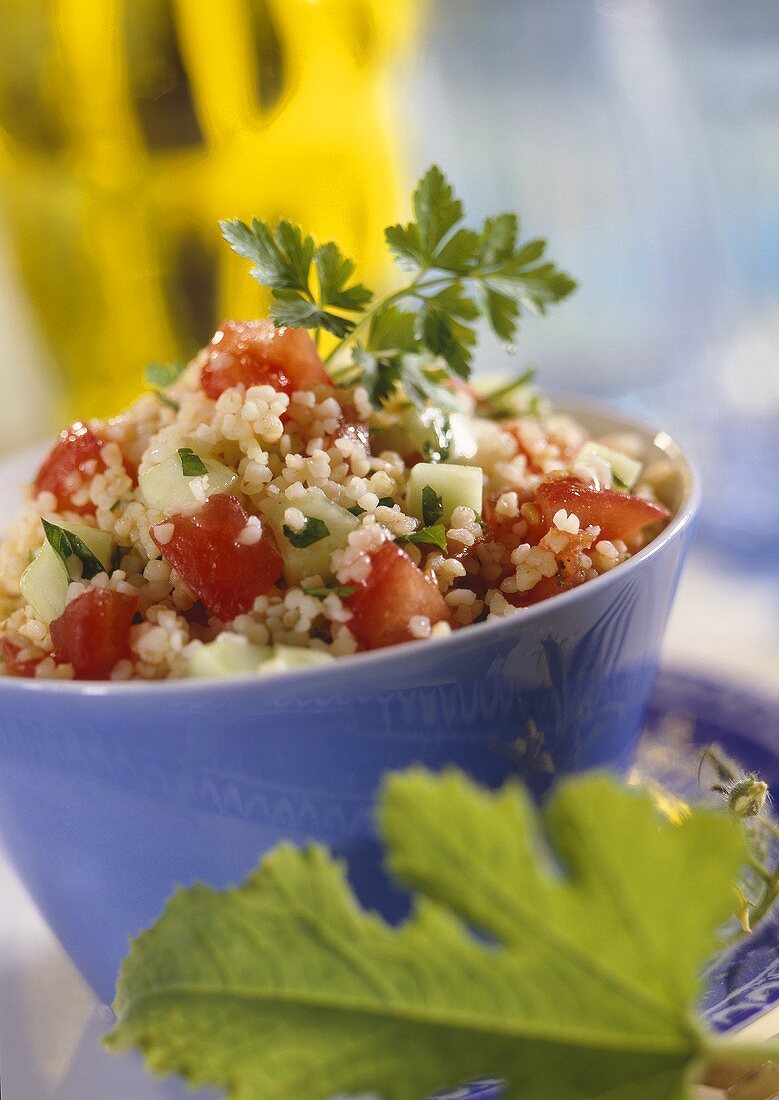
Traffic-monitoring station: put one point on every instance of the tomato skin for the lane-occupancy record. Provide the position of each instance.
(255, 353)
(618, 515)
(93, 632)
(394, 590)
(225, 574)
(76, 446)
(9, 652)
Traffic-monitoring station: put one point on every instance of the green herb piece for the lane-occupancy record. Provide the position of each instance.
(619, 483)
(586, 989)
(342, 591)
(356, 510)
(420, 335)
(427, 536)
(432, 506)
(162, 375)
(314, 530)
(192, 465)
(165, 400)
(282, 259)
(386, 502)
(67, 545)
(494, 403)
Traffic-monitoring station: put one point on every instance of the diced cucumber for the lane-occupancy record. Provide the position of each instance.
(227, 655)
(625, 471)
(285, 657)
(165, 486)
(457, 486)
(312, 560)
(44, 583)
(234, 655)
(504, 396)
(425, 432)
(475, 441)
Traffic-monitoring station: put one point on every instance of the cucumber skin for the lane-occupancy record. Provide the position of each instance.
(44, 584)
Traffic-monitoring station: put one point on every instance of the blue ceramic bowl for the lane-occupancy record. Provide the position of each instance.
(110, 794)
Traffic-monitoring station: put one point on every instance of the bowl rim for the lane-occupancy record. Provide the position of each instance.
(566, 404)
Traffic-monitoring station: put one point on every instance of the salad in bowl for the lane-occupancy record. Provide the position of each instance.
(320, 552)
(270, 506)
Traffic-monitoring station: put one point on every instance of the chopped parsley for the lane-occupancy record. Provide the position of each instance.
(342, 591)
(314, 530)
(161, 375)
(432, 506)
(66, 545)
(192, 465)
(428, 536)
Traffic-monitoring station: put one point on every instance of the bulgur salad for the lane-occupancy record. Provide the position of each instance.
(270, 506)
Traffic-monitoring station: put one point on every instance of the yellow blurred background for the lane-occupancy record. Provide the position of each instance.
(129, 127)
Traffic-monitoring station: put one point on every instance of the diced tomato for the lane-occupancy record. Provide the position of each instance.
(15, 665)
(253, 353)
(393, 592)
(93, 632)
(222, 571)
(530, 523)
(619, 515)
(74, 457)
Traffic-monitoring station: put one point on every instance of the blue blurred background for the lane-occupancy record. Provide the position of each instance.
(642, 136)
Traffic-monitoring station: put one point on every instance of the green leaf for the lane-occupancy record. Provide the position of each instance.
(426, 384)
(442, 327)
(290, 307)
(162, 375)
(168, 402)
(67, 545)
(314, 530)
(192, 465)
(498, 239)
(281, 257)
(599, 914)
(393, 330)
(437, 212)
(501, 311)
(334, 271)
(436, 208)
(432, 506)
(458, 253)
(434, 535)
(342, 591)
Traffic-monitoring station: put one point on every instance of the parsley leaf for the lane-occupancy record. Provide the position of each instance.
(434, 535)
(282, 259)
(587, 987)
(342, 591)
(192, 465)
(162, 375)
(432, 506)
(314, 530)
(67, 545)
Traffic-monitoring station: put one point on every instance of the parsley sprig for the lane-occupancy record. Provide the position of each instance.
(283, 259)
(420, 335)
